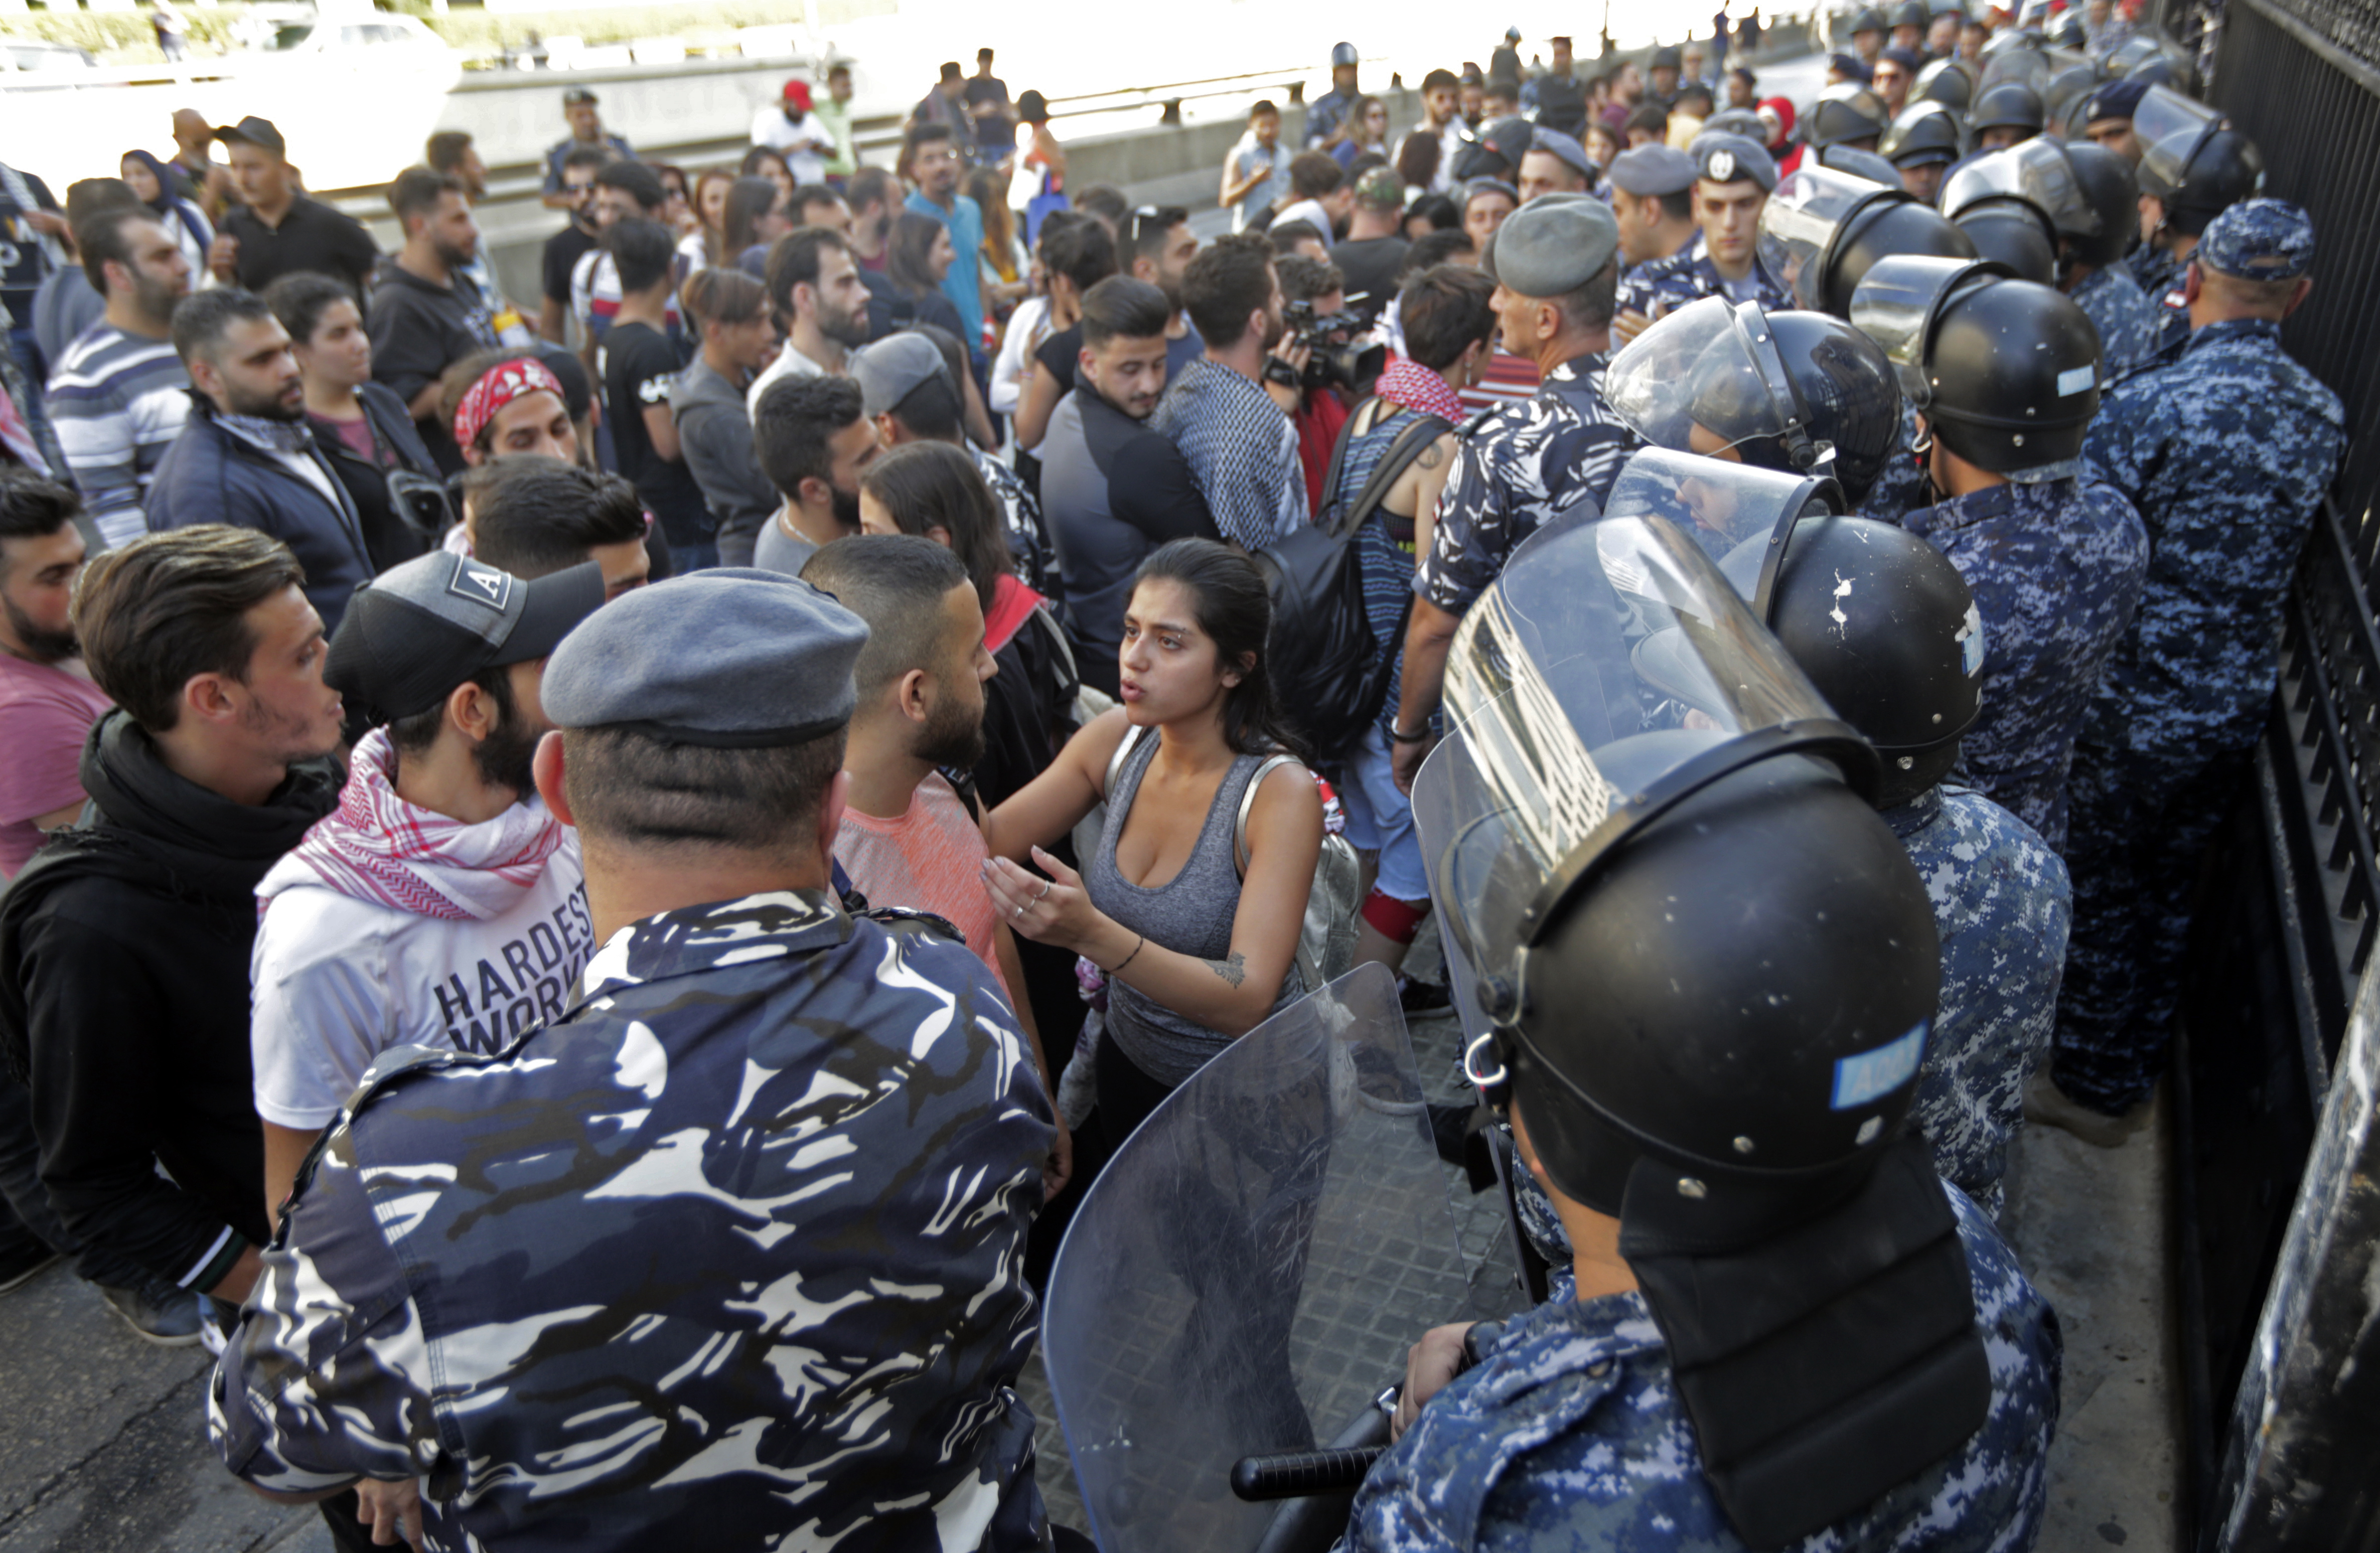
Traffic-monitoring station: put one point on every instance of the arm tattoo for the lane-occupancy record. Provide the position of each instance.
(1428, 458)
(1233, 970)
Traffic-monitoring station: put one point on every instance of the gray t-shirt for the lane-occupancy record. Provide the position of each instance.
(777, 550)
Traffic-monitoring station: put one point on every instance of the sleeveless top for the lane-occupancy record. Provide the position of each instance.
(1190, 913)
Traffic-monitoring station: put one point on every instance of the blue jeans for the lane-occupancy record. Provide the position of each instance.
(693, 558)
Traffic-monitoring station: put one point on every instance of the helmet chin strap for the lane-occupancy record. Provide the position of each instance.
(1922, 449)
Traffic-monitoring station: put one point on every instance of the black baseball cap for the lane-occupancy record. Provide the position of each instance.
(417, 630)
(253, 131)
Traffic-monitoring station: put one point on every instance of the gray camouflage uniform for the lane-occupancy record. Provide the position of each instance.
(1568, 1437)
(730, 1257)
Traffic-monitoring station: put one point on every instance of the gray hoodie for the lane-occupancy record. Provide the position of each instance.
(715, 433)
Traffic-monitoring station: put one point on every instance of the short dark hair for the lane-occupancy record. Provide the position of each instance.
(1144, 232)
(1307, 280)
(416, 191)
(1231, 279)
(1436, 79)
(532, 516)
(1121, 308)
(87, 196)
(445, 149)
(169, 607)
(102, 236)
(1694, 88)
(32, 508)
(931, 409)
(589, 156)
(929, 485)
(1592, 305)
(642, 250)
(794, 259)
(896, 582)
(1433, 249)
(1313, 174)
(300, 299)
(1103, 201)
(1262, 106)
(201, 319)
(951, 70)
(918, 138)
(868, 187)
(412, 735)
(635, 180)
(1678, 206)
(723, 295)
(632, 789)
(1444, 309)
(1652, 117)
(1283, 236)
(1439, 210)
(1082, 251)
(791, 424)
(809, 196)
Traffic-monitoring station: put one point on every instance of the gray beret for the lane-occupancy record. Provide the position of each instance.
(1554, 143)
(1724, 158)
(1653, 170)
(732, 658)
(1552, 247)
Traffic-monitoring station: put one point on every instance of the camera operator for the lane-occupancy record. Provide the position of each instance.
(1338, 370)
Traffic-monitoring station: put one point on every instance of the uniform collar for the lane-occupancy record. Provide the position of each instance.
(1907, 819)
(1956, 512)
(2230, 329)
(771, 926)
(1582, 368)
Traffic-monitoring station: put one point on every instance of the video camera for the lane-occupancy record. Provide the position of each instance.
(1334, 359)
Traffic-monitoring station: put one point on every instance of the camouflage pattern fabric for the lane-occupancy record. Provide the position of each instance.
(1902, 487)
(1688, 276)
(2158, 274)
(2127, 323)
(1568, 1437)
(1517, 466)
(731, 1257)
(2226, 453)
(2001, 902)
(2057, 571)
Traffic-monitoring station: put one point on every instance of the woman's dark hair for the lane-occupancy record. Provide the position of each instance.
(1438, 210)
(300, 300)
(748, 198)
(913, 239)
(757, 157)
(1235, 612)
(723, 295)
(1418, 159)
(1082, 251)
(990, 192)
(929, 485)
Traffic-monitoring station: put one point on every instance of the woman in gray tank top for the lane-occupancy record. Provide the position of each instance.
(1198, 950)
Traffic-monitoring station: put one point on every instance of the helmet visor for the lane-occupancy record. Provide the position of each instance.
(1692, 369)
(1610, 672)
(1801, 221)
(2036, 171)
(2025, 67)
(2169, 128)
(1716, 502)
(1896, 306)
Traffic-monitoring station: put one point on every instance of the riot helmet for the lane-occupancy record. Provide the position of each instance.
(1846, 111)
(2200, 174)
(2006, 371)
(1798, 392)
(1860, 165)
(2110, 186)
(2062, 97)
(1886, 628)
(2008, 105)
(1343, 54)
(1946, 81)
(1912, 13)
(1734, 121)
(1869, 19)
(1822, 230)
(2017, 203)
(1633, 761)
(2066, 30)
(1923, 134)
(2013, 59)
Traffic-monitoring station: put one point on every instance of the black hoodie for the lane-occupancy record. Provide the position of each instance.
(123, 995)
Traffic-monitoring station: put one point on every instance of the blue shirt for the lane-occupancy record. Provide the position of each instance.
(731, 1256)
(963, 285)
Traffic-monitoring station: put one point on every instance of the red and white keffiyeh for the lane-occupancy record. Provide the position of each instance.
(1418, 388)
(377, 847)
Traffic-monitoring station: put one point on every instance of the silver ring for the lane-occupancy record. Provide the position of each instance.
(1018, 912)
(1045, 889)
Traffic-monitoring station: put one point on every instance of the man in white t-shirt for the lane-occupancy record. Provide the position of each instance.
(441, 903)
(790, 128)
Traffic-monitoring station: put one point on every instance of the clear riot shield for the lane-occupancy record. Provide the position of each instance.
(1247, 1273)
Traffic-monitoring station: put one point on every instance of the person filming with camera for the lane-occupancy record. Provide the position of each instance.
(1229, 412)
(1339, 368)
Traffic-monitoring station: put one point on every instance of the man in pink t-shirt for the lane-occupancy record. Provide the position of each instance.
(907, 837)
(47, 702)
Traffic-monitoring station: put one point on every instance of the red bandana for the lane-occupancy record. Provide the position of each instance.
(1420, 390)
(499, 386)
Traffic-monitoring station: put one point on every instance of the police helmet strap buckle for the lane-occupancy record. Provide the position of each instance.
(1760, 343)
(1495, 1088)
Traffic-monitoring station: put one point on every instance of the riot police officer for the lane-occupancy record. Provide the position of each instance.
(1867, 34)
(2092, 270)
(2004, 375)
(2186, 178)
(1327, 113)
(2005, 115)
(2018, 204)
(1911, 21)
(1557, 277)
(1920, 143)
(1848, 114)
(1638, 1407)
(1733, 180)
(2106, 118)
(1950, 82)
(620, 1242)
(2225, 453)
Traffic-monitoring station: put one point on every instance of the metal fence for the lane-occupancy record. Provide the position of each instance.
(2288, 924)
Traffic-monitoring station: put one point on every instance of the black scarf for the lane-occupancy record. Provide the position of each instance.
(157, 832)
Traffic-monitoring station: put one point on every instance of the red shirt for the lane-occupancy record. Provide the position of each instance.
(45, 713)
(1318, 419)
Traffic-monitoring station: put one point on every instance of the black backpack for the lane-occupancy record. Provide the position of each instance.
(1330, 674)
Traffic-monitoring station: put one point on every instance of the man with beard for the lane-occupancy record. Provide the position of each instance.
(426, 313)
(1229, 414)
(441, 903)
(1156, 246)
(813, 436)
(932, 160)
(119, 395)
(1112, 488)
(814, 280)
(124, 943)
(47, 701)
(246, 457)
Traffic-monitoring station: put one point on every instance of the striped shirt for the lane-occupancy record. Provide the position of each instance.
(118, 401)
(1241, 450)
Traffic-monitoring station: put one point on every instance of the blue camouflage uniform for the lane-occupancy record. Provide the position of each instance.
(2158, 273)
(2227, 453)
(2000, 902)
(2055, 567)
(1322, 115)
(1688, 276)
(1517, 466)
(2127, 323)
(730, 1256)
(1570, 1436)
(1901, 487)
